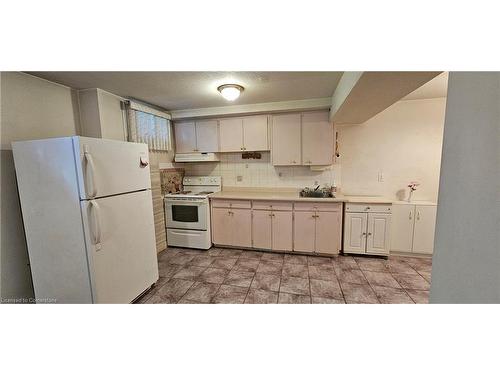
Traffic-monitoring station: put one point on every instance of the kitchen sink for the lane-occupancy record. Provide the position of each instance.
(318, 193)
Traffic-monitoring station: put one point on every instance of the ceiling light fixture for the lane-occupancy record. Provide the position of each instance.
(230, 91)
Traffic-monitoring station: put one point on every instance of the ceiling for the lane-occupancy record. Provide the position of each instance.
(189, 90)
(435, 88)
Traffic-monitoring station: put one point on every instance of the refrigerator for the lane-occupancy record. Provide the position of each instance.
(88, 218)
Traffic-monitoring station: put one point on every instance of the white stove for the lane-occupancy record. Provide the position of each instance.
(187, 213)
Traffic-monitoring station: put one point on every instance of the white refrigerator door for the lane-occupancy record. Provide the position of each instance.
(107, 167)
(121, 246)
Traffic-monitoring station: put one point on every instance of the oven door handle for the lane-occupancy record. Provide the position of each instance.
(186, 203)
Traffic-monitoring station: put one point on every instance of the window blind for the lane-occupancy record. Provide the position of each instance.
(149, 128)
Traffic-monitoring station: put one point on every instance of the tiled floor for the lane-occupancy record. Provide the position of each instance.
(244, 276)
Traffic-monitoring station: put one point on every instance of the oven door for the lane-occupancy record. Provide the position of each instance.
(186, 213)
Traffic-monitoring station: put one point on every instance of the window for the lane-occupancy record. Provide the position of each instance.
(150, 128)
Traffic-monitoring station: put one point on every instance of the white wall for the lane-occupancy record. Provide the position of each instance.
(403, 143)
(466, 261)
(30, 108)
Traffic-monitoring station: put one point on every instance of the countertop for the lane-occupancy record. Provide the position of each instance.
(293, 195)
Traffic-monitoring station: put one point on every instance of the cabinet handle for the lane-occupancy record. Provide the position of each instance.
(294, 162)
(409, 216)
(418, 215)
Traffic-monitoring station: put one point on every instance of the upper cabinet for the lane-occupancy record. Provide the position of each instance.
(302, 139)
(317, 139)
(231, 135)
(199, 136)
(286, 139)
(102, 115)
(243, 134)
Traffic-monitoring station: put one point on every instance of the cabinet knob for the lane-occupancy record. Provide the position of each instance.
(364, 233)
(369, 233)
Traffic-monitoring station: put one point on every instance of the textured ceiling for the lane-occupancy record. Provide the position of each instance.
(188, 90)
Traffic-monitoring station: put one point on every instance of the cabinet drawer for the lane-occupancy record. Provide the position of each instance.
(272, 205)
(230, 203)
(362, 207)
(315, 206)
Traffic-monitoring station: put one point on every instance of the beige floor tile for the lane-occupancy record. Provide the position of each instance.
(239, 278)
(322, 300)
(318, 261)
(224, 263)
(415, 282)
(247, 264)
(274, 257)
(326, 288)
(213, 275)
(201, 292)
(230, 294)
(174, 289)
(201, 261)
(297, 270)
(372, 264)
(391, 295)
(294, 285)
(419, 296)
(357, 293)
(354, 276)
(260, 296)
(288, 298)
(266, 282)
(323, 272)
(381, 278)
(270, 267)
(249, 254)
(189, 273)
(295, 259)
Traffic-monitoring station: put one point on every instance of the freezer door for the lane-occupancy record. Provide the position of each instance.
(107, 167)
(121, 246)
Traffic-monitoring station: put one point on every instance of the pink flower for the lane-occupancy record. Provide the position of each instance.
(413, 185)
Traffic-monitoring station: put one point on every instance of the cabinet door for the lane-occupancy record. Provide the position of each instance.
(328, 226)
(403, 219)
(378, 235)
(185, 137)
(304, 230)
(282, 229)
(261, 229)
(207, 139)
(317, 139)
(112, 117)
(423, 235)
(255, 133)
(355, 232)
(286, 144)
(221, 226)
(241, 227)
(231, 135)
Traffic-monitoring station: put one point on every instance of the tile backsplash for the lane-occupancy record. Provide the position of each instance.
(236, 171)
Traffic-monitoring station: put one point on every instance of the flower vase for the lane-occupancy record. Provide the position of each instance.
(409, 197)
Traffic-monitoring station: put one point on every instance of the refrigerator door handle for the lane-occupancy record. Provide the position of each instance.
(97, 224)
(90, 172)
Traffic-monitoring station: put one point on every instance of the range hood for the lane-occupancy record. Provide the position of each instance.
(196, 157)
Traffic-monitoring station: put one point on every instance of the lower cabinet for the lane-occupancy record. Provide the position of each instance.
(317, 231)
(272, 230)
(278, 226)
(413, 228)
(367, 232)
(231, 226)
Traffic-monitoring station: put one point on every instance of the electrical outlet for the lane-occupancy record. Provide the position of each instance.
(239, 178)
(380, 177)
